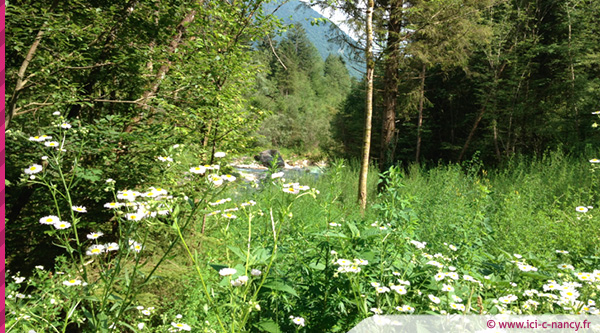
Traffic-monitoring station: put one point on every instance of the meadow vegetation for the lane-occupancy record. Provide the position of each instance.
(195, 248)
(124, 213)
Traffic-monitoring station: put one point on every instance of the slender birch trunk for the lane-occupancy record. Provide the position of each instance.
(364, 169)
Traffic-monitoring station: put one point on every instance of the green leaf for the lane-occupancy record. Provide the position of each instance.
(218, 267)
(268, 325)
(277, 285)
(353, 229)
(317, 266)
(238, 252)
(536, 275)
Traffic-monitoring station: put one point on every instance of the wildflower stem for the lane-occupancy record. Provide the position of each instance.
(195, 262)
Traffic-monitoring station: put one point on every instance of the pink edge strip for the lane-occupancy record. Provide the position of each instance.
(2, 160)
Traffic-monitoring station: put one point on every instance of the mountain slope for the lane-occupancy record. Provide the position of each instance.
(322, 35)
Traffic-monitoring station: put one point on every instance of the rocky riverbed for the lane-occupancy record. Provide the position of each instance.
(252, 171)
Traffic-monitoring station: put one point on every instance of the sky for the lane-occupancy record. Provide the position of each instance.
(336, 16)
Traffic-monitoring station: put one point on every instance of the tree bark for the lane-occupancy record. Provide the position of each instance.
(496, 146)
(364, 169)
(21, 81)
(477, 120)
(572, 68)
(420, 121)
(164, 69)
(88, 87)
(391, 81)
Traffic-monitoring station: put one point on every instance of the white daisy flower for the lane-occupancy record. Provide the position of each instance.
(95, 250)
(530, 292)
(298, 321)
(255, 272)
(291, 190)
(229, 178)
(399, 289)
(137, 247)
(79, 209)
(213, 213)
(219, 154)
(111, 247)
(434, 299)
(62, 225)
(382, 290)
(95, 235)
(343, 262)
(376, 311)
(229, 215)
(112, 205)
(447, 288)
(216, 180)
(73, 282)
(36, 168)
(227, 271)
(418, 245)
(581, 209)
(51, 144)
(361, 262)
(65, 125)
(134, 216)
(277, 175)
(457, 299)
(566, 266)
(181, 326)
(459, 307)
(199, 170)
(51, 219)
(127, 195)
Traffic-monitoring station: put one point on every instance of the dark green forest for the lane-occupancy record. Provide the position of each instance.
(125, 120)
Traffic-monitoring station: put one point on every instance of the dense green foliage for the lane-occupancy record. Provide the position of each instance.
(302, 91)
(324, 35)
(477, 218)
(123, 212)
(521, 88)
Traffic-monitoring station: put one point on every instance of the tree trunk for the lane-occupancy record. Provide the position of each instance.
(477, 120)
(391, 81)
(88, 87)
(364, 169)
(162, 71)
(572, 68)
(21, 81)
(420, 122)
(496, 146)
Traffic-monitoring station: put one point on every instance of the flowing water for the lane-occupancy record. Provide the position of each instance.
(254, 175)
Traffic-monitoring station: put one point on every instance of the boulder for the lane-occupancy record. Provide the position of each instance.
(266, 157)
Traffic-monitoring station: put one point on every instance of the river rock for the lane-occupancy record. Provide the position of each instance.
(266, 157)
